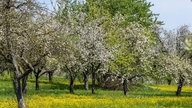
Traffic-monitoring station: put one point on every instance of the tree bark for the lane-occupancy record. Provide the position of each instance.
(93, 82)
(71, 84)
(86, 77)
(93, 71)
(37, 82)
(18, 92)
(169, 81)
(24, 84)
(50, 77)
(180, 85)
(17, 84)
(125, 87)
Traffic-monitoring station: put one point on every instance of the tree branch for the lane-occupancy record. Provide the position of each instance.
(25, 74)
(48, 71)
(39, 59)
(135, 76)
(20, 5)
(28, 64)
(98, 66)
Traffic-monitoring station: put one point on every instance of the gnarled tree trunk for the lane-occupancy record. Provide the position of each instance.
(18, 92)
(93, 82)
(180, 85)
(93, 71)
(50, 77)
(37, 82)
(24, 84)
(71, 88)
(86, 77)
(125, 87)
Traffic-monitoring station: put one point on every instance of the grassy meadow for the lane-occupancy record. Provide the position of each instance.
(57, 95)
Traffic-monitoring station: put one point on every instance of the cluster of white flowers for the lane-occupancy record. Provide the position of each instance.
(171, 57)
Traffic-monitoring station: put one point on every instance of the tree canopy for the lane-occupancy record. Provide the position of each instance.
(105, 39)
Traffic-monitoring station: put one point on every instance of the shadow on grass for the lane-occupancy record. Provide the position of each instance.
(60, 85)
(57, 88)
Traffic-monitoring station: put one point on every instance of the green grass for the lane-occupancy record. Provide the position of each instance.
(57, 95)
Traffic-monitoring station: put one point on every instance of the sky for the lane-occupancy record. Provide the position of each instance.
(173, 13)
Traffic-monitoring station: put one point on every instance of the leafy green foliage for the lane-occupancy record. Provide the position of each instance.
(134, 10)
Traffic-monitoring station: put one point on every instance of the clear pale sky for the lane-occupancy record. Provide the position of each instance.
(173, 13)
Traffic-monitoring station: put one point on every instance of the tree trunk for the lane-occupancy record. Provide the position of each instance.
(86, 84)
(125, 88)
(93, 71)
(93, 82)
(24, 84)
(180, 85)
(36, 82)
(169, 81)
(71, 84)
(50, 77)
(18, 92)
